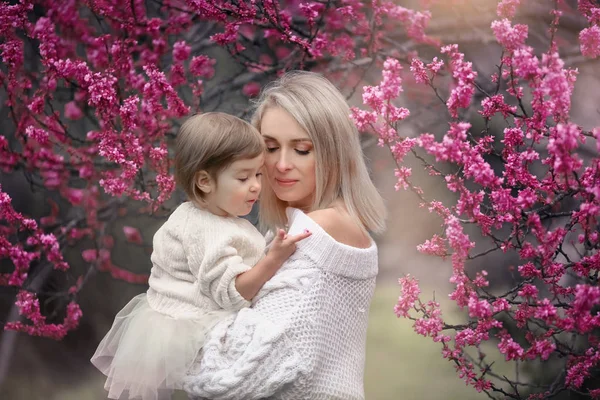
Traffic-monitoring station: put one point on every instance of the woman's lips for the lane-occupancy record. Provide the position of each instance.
(285, 182)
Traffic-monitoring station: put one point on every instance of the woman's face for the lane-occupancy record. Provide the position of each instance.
(290, 158)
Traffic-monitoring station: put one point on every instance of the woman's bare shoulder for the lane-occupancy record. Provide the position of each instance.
(341, 227)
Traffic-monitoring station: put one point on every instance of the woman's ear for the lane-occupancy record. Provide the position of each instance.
(204, 181)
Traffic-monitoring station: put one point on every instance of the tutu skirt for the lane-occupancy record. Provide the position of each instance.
(146, 353)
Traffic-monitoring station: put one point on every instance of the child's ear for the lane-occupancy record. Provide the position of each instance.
(204, 181)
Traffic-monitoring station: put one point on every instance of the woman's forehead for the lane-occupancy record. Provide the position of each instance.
(278, 125)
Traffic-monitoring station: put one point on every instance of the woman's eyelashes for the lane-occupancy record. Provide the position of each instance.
(301, 152)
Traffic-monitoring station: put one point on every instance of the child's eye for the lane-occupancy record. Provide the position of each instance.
(242, 179)
(259, 174)
(302, 152)
(271, 149)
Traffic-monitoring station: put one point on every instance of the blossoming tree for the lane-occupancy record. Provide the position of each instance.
(95, 89)
(543, 196)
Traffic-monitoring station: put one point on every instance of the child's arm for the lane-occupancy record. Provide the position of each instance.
(283, 246)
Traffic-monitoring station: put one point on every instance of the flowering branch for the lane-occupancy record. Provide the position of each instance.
(543, 194)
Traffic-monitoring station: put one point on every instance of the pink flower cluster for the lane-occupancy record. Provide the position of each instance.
(589, 38)
(464, 78)
(38, 247)
(511, 206)
(29, 307)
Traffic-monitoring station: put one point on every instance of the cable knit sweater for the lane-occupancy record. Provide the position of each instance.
(196, 257)
(304, 336)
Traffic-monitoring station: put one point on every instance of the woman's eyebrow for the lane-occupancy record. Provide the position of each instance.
(267, 137)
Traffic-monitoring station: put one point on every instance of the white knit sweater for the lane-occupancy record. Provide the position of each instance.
(304, 336)
(196, 258)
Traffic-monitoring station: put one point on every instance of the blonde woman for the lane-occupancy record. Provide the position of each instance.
(304, 335)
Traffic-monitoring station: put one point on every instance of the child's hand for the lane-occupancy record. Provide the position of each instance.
(283, 246)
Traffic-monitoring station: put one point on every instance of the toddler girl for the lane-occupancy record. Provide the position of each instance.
(206, 262)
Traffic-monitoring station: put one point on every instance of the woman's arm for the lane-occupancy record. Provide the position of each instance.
(251, 355)
(245, 357)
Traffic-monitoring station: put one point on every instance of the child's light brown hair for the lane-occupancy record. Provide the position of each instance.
(211, 142)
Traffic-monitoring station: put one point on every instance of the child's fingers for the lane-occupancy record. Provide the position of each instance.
(281, 235)
(300, 236)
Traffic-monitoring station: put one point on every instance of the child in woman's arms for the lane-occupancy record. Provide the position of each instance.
(207, 262)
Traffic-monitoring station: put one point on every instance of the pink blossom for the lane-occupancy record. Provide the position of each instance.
(418, 69)
(202, 66)
(403, 173)
(410, 291)
(432, 325)
(464, 77)
(510, 37)
(480, 309)
(436, 246)
(75, 196)
(435, 65)
(501, 305)
(525, 63)
(363, 119)
(579, 368)
(181, 51)
(507, 8)
(529, 270)
(132, 234)
(541, 348)
(72, 111)
(511, 349)
(39, 135)
(495, 104)
(589, 40)
(102, 93)
(561, 146)
(401, 148)
(251, 89)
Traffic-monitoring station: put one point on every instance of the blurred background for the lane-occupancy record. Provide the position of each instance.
(400, 364)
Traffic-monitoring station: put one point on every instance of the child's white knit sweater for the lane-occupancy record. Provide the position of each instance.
(196, 257)
(304, 337)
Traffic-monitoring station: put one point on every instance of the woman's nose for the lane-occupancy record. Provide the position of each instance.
(283, 164)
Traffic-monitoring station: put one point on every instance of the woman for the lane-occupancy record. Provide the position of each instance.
(304, 336)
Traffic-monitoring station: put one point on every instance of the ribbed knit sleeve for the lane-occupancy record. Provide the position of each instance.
(218, 251)
(217, 276)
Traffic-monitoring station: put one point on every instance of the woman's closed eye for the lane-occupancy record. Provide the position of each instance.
(301, 152)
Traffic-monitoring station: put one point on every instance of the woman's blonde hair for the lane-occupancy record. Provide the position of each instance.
(211, 142)
(341, 173)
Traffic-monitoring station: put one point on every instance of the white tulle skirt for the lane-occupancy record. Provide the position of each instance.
(146, 353)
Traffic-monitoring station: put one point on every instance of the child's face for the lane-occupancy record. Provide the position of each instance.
(236, 188)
